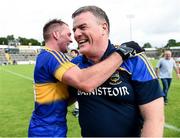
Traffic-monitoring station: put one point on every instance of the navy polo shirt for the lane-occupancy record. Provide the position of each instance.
(112, 109)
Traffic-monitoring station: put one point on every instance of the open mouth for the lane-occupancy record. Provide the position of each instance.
(82, 42)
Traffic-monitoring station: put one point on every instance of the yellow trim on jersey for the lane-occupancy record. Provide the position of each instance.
(61, 56)
(50, 92)
(58, 58)
(120, 68)
(62, 69)
(47, 48)
(149, 66)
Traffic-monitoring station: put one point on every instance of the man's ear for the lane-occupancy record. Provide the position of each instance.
(55, 35)
(104, 28)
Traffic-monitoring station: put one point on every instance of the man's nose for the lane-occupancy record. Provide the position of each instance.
(77, 33)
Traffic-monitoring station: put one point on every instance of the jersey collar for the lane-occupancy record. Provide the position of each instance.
(110, 49)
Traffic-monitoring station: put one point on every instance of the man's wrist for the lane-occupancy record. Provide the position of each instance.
(120, 54)
(117, 54)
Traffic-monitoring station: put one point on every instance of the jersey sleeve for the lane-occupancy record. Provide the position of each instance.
(144, 80)
(147, 91)
(59, 64)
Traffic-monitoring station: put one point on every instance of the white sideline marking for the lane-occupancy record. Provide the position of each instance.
(171, 127)
(28, 78)
(20, 75)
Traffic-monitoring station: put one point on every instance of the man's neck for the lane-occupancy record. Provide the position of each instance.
(98, 55)
(51, 45)
(95, 59)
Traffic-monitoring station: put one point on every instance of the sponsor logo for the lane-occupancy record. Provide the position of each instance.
(109, 91)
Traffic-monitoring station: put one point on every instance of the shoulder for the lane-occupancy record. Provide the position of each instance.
(140, 68)
(138, 60)
(52, 54)
(161, 60)
(172, 60)
(77, 59)
(81, 61)
(57, 56)
(44, 56)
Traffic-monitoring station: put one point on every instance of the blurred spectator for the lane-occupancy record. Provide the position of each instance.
(164, 70)
(74, 53)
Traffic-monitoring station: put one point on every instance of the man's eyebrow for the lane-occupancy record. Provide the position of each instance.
(78, 26)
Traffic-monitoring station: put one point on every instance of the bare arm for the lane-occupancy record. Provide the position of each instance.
(153, 114)
(157, 72)
(177, 71)
(90, 78)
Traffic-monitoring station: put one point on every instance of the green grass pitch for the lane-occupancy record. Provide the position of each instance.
(17, 101)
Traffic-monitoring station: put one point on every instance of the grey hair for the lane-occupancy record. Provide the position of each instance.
(96, 11)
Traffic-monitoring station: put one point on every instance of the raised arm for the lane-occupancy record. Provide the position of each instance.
(92, 77)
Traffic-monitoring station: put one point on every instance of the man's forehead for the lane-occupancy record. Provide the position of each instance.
(85, 15)
(78, 22)
(167, 52)
(82, 20)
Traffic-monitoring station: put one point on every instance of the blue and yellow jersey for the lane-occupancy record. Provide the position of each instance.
(112, 109)
(49, 116)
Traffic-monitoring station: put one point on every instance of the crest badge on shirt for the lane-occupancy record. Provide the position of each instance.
(115, 79)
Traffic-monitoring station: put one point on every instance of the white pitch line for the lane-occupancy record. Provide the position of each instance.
(171, 127)
(20, 75)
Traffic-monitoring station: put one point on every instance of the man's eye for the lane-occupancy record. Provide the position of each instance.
(83, 27)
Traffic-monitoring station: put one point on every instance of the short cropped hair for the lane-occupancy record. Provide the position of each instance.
(96, 11)
(49, 26)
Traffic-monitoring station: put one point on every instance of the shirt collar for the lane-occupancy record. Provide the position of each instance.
(108, 51)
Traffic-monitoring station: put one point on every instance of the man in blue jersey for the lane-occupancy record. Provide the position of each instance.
(130, 102)
(53, 72)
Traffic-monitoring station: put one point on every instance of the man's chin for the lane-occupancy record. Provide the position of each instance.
(84, 52)
(81, 50)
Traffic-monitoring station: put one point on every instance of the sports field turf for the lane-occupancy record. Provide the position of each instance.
(16, 104)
